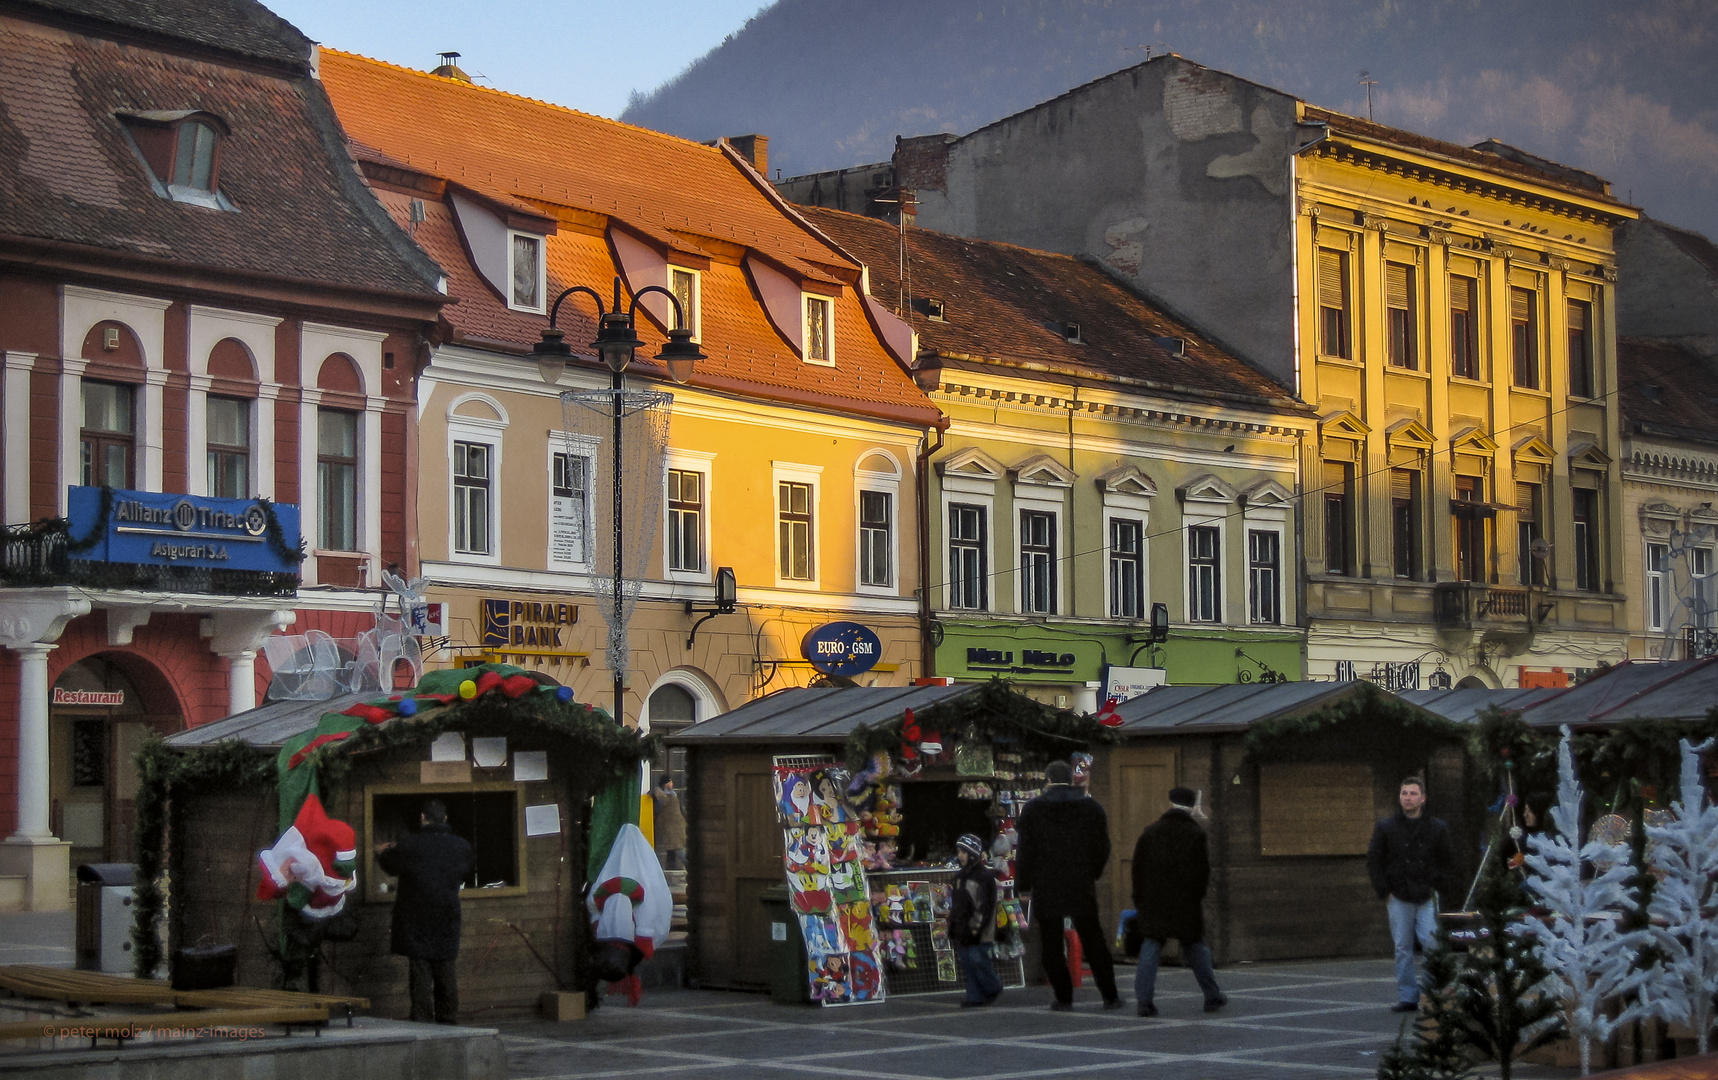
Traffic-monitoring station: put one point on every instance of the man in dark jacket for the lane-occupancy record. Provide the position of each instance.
(430, 864)
(1410, 860)
(972, 921)
(1064, 845)
(1171, 869)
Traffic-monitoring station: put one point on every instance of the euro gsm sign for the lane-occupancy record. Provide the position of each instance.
(842, 648)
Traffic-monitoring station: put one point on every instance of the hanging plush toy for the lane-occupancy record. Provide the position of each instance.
(630, 908)
(313, 865)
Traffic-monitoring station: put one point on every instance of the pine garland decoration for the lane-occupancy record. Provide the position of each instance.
(996, 711)
(1367, 724)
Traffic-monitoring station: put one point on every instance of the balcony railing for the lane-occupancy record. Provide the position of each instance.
(1477, 605)
(1699, 642)
(36, 555)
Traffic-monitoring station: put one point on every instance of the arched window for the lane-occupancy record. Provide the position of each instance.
(671, 708)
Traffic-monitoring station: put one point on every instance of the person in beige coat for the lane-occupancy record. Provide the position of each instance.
(670, 824)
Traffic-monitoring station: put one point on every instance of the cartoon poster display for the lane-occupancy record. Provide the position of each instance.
(826, 882)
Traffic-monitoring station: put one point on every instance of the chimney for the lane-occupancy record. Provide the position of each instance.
(449, 69)
(755, 149)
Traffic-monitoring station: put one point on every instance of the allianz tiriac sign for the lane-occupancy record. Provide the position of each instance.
(155, 529)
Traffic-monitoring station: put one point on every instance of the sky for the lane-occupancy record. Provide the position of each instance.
(583, 54)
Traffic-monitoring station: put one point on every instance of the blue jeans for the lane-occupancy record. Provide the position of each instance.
(1407, 922)
(982, 983)
(1198, 957)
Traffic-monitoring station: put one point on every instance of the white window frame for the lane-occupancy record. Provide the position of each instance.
(1058, 550)
(986, 504)
(1034, 489)
(476, 429)
(561, 442)
(1267, 510)
(807, 299)
(542, 242)
(782, 472)
(693, 314)
(252, 433)
(1118, 504)
(1282, 558)
(697, 461)
(1200, 508)
(1700, 585)
(1187, 527)
(1657, 591)
(887, 483)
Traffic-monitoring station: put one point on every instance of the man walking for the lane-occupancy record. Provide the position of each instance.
(1064, 845)
(670, 824)
(1171, 869)
(430, 864)
(1409, 861)
(972, 922)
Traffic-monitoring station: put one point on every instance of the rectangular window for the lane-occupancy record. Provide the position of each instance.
(1524, 337)
(1204, 574)
(1586, 507)
(1037, 562)
(229, 447)
(1127, 569)
(685, 286)
(336, 480)
(794, 521)
(471, 480)
(1700, 587)
(1399, 308)
(876, 538)
(818, 348)
(1580, 349)
(527, 276)
(1469, 519)
(1333, 303)
(569, 508)
(685, 520)
(1657, 584)
(1338, 517)
(1405, 522)
(1530, 533)
(108, 440)
(1264, 571)
(1464, 327)
(968, 574)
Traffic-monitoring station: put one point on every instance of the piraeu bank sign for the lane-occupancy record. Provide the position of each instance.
(159, 529)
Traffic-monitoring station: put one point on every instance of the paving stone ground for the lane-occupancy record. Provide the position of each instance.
(1301, 1020)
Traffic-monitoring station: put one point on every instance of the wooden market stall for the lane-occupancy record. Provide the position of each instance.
(515, 762)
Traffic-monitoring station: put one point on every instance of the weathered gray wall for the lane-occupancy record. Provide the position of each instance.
(1662, 291)
(1176, 176)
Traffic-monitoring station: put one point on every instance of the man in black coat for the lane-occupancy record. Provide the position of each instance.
(1064, 846)
(1171, 869)
(1410, 860)
(430, 864)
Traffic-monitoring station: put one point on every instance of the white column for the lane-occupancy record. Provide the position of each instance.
(370, 491)
(262, 439)
(71, 428)
(236, 635)
(33, 741)
(15, 437)
(197, 436)
(241, 681)
(151, 440)
(307, 499)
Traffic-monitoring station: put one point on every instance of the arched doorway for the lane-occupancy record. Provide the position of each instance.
(100, 711)
(1473, 682)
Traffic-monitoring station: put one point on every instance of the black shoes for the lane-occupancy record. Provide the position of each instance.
(1113, 1003)
(1216, 1003)
(1061, 1006)
(1405, 1006)
(1146, 1008)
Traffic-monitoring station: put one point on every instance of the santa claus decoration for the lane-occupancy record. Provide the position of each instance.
(313, 865)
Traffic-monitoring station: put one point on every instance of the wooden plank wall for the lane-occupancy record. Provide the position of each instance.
(214, 878)
(735, 851)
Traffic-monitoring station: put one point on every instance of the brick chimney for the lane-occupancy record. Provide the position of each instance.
(755, 149)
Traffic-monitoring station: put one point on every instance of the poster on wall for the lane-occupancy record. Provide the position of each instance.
(826, 882)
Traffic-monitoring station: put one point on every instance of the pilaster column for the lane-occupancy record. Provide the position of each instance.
(33, 742)
(236, 635)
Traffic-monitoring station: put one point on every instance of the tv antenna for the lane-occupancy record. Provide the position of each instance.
(1154, 49)
(1368, 82)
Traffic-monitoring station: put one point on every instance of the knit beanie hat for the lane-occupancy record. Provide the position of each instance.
(971, 844)
(1182, 796)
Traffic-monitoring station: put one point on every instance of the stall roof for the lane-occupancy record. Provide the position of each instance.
(1167, 710)
(1632, 690)
(821, 714)
(269, 725)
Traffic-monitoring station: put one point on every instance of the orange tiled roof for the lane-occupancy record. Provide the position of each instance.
(519, 151)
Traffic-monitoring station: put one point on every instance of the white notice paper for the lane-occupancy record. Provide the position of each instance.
(531, 765)
(489, 751)
(448, 746)
(543, 820)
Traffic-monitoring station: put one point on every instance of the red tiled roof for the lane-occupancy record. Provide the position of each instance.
(69, 174)
(1005, 304)
(239, 27)
(1667, 390)
(682, 194)
(1698, 247)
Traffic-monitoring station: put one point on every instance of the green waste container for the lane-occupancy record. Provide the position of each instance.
(789, 981)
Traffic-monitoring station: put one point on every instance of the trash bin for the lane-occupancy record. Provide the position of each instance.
(104, 916)
(790, 982)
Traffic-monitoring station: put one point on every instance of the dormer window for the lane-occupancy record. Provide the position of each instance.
(685, 287)
(182, 151)
(819, 330)
(525, 272)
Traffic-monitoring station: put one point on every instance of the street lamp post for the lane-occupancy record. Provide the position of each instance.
(616, 341)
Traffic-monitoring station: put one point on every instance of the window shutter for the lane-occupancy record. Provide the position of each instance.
(1524, 500)
(1335, 478)
(1401, 483)
(1461, 293)
(1330, 291)
(1577, 315)
(1396, 285)
(1520, 305)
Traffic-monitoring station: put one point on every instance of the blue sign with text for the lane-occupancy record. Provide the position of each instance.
(158, 529)
(842, 648)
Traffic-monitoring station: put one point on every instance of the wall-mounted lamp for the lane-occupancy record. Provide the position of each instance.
(1159, 623)
(727, 595)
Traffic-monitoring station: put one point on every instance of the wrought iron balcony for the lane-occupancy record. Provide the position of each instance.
(1699, 642)
(1476, 605)
(36, 554)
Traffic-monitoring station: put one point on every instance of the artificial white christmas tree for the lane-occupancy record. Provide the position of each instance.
(1590, 959)
(1684, 906)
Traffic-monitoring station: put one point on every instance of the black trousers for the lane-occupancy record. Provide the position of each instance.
(1084, 913)
(435, 991)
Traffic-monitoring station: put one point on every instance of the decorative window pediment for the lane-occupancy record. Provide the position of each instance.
(1043, 470)
(1343, 424)
(1207, 488)
(1587, 455)
(1659, 519)
(1267, 493)
(1472, 440)
(1128, 480)
(971, 470)
(1533, 449)
(1410, 432)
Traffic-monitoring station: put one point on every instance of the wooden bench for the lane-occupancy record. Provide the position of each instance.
(95, 988)
(251, 997)
(121, 1028)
